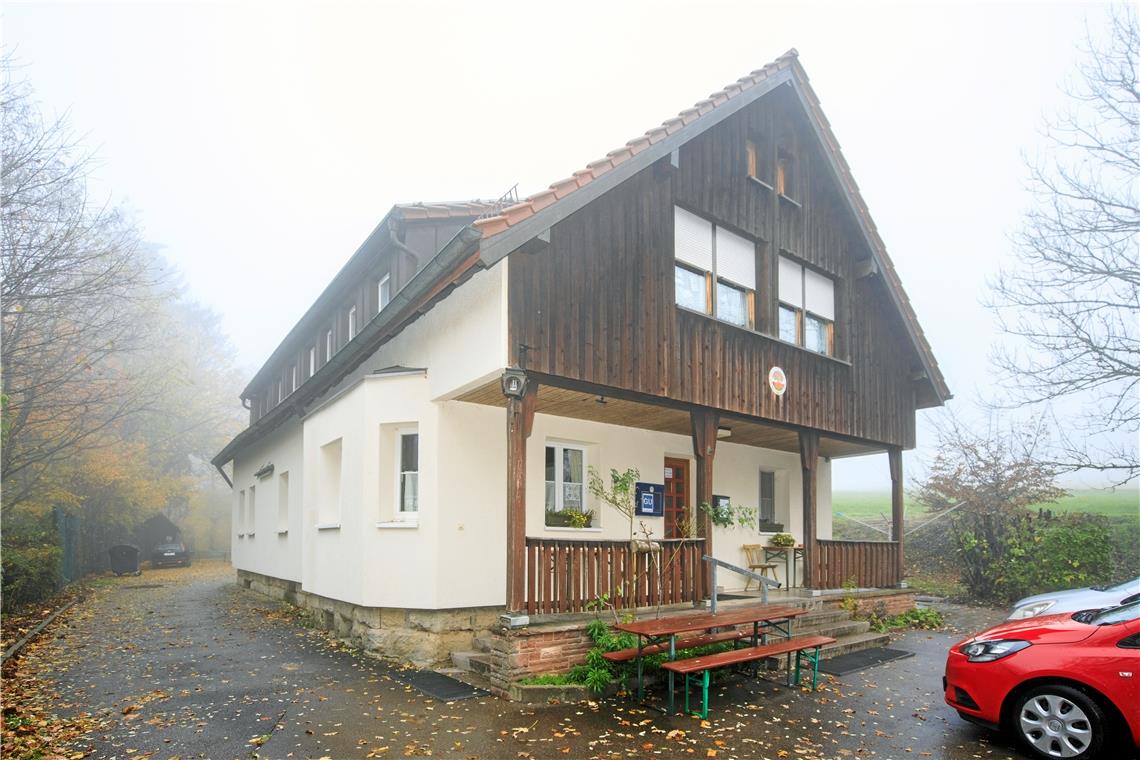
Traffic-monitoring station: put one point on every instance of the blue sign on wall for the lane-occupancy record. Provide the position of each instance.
(650, 499)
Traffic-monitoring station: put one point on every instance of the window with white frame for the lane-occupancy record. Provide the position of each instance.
(807, 307)
(565, 478)
(292, 379)
(312, 361)
(408, 503)
(252, 514)
(283, 502)
(715, 270)
(352, 323)
(329, 346)
(239, 521)
(383, 292)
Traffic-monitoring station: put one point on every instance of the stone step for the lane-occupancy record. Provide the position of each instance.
(483, 643)
(835, 630)
(473, 662)
(822, 617)
(478, 680)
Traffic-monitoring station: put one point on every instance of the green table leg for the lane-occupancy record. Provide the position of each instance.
(686, 694)
(705, 695)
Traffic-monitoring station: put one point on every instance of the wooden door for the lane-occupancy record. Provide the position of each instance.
(676, 497)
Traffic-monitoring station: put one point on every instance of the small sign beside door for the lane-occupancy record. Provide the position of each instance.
(650, 499)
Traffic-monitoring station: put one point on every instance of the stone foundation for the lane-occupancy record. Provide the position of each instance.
(421, 637)
(518, 653)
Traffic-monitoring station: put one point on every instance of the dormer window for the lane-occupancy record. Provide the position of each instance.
(715, 270)
(807, 307)
(383, 292)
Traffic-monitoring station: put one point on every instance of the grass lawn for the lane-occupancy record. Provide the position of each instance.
(873, 504)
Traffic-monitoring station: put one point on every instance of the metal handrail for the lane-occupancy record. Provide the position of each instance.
(764, 580)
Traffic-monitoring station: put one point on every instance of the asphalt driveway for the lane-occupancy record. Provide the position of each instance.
(182, 663)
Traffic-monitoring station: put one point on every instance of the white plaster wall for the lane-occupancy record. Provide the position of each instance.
(269, 551)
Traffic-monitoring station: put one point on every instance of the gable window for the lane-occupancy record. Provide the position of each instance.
(565, 481)
(785, 175)
(383, 292)
(715, 270)
(409, 474)
(807, 307)
(312, 361)
(352, 323)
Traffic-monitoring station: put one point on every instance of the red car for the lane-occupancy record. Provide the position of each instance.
(1066, 685)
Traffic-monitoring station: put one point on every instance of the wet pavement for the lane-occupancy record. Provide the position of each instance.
(182, 663)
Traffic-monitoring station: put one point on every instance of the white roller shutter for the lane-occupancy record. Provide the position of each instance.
(791, 282)
(692, 239)
(820, 294)
(735, 259)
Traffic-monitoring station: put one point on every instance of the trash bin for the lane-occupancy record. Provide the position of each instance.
(125, 559)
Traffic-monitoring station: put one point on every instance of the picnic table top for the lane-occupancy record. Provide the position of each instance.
(684, 623)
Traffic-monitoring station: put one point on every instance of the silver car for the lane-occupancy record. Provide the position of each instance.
(1074, 600)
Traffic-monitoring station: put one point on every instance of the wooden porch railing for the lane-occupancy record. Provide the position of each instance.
(873, 564)
(564, 576)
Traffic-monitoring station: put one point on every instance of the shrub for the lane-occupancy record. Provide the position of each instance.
(30, 573)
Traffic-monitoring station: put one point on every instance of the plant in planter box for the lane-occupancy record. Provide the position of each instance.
(569, 518)
(782, 539)
(725, 515)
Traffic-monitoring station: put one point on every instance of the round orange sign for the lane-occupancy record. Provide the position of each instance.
(777, 381)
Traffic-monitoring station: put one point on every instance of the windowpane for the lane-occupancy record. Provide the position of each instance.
(409, 492)
(384, 293)
(409, 452)
(731, 304)
(690, 289)
(572, 466)
(572, 496)
(788, 324)
(551, 491)
(767, 496)
(815, 334)
(551, 477)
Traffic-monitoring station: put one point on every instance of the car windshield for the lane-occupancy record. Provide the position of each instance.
(1132, 583)
(1121, 614)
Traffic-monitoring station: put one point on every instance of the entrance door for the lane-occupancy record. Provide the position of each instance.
(676, 497)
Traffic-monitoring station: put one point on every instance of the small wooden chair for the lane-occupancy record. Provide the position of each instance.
(754, 556)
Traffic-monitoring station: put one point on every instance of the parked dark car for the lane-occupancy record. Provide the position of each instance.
(1066, 685)
(170, 555)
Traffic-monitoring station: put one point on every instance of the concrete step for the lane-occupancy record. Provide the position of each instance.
(822, 617)
(477, 662)
(836, 630)
(856, 643)
(483, 643)
(477, 680)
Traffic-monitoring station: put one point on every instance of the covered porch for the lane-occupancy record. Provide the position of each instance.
(562, 573)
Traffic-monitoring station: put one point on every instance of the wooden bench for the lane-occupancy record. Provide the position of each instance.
(806, 648)
(625, 655)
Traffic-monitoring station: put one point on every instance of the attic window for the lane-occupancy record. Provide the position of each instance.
(759, 170)
(383, 292)
(785, 175)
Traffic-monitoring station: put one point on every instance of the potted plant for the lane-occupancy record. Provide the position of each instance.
(569, 518)
(783, 540)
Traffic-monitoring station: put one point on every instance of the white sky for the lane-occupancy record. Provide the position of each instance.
(259, 144)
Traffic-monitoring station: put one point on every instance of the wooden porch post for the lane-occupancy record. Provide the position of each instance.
(704, 423)
(894, 457)
(809, 456)
(520, 422)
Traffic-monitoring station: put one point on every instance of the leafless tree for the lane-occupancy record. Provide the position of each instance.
(1073, 300)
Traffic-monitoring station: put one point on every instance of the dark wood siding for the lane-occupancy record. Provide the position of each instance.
(597, 304)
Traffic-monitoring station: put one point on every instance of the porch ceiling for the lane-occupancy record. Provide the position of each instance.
(563, 402)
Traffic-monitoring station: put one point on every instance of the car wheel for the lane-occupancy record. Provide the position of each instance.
(1058, 721)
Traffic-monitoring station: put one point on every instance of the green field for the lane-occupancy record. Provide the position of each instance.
(864, 505)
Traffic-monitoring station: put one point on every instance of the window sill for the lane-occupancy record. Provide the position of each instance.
(761, 183)
(398, 525)
(249, 535)
(283, 532)
(241, 535)
(792, 201)
(764, 336)
(328, 526)
(559, 529)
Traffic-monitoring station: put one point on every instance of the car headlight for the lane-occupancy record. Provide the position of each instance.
(988, 651)
(1031, 610)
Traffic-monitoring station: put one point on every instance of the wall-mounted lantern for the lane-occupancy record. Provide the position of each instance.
(514, 382)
